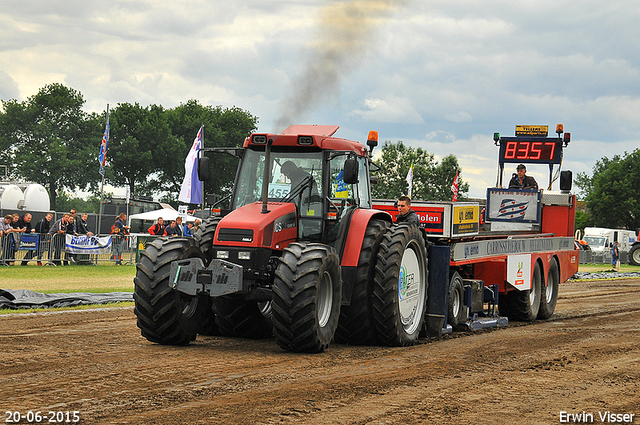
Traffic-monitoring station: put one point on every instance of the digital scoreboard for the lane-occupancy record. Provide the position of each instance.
(531, 150)
(531, 145)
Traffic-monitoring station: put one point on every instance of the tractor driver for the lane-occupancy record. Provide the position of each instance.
(522, 181)
(297, 176)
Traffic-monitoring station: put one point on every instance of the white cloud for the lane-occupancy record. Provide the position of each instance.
(391, 110)
(439, 74)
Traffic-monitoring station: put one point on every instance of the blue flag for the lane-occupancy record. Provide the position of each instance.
(102, 156)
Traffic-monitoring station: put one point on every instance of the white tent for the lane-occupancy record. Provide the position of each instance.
(167, 214)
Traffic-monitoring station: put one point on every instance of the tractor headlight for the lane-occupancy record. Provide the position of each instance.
(222, 255)
(244, 255)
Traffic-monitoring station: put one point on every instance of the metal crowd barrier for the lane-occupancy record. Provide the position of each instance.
(50, 250)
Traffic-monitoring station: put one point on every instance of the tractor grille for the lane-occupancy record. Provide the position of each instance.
(235, 235)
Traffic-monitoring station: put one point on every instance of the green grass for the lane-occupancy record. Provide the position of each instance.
(73, 278)
(598, 268)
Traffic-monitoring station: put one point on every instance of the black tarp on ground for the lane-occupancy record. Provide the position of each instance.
(23, 298)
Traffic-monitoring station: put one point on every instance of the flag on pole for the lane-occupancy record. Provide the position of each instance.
(410, 180)
(102, 156)
(191, 190)
(454, 187)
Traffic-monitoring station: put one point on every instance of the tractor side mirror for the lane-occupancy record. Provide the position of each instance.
(350, 171)
(203, 168)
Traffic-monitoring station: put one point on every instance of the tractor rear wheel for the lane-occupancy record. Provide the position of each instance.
(523, 305)
(238, 318)
(307, 293)
(356, 320)
(549, 296)
(165, 315)
(634, 255)
(400, 286)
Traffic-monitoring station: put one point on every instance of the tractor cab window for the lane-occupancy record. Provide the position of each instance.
(294, 178)
(342, 195)
(346, 196)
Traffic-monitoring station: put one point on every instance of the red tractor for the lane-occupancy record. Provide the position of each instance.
(302, 256)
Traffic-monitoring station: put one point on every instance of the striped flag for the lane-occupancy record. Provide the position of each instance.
(454, 187)
(102, 156)
(191, 190)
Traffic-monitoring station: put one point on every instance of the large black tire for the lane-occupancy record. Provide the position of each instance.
(549, 296)
(165, 315)
(307, 294)
(634, 255)
(204, 236)
(209, 326)
(523, 305)
(238, 318)
(204, 239)
(400, 286)
(455, 303)
(356, 320)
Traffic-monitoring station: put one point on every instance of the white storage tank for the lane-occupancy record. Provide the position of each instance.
(10, 196)
(36, 198)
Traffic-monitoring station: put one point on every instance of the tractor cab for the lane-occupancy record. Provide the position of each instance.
(326, 178)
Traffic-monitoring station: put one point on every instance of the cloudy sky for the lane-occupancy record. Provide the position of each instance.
(442, 75)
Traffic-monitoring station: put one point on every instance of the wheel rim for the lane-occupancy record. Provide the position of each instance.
(325, 299)
(636, 255)
(457, 302)
(550, 287)
(410, 289)
(552, 280)
(535, 284)
(265, 308)
(189, 305)
(532, 296)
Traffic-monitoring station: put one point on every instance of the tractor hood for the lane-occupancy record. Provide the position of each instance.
(249, 227)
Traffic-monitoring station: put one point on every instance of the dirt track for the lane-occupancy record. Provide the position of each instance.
(586, 359)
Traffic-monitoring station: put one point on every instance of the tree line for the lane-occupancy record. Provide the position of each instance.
(50, 140)
(612, 193)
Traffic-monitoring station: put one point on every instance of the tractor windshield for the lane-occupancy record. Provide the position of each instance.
(596, 241)
(294, 175)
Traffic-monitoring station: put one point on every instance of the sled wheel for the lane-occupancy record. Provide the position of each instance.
(165, 315)
(455, 312)
(238, 318)
(523, 305)
(307, 293)
(549, 296)
(400, 286)
(356, 320)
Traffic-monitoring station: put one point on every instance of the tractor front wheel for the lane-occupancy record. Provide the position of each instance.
(307, 293)
(165, 315)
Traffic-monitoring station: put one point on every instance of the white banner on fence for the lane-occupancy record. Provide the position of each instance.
(88, 244)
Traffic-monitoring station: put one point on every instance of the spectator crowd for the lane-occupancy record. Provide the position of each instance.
(49, 247)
